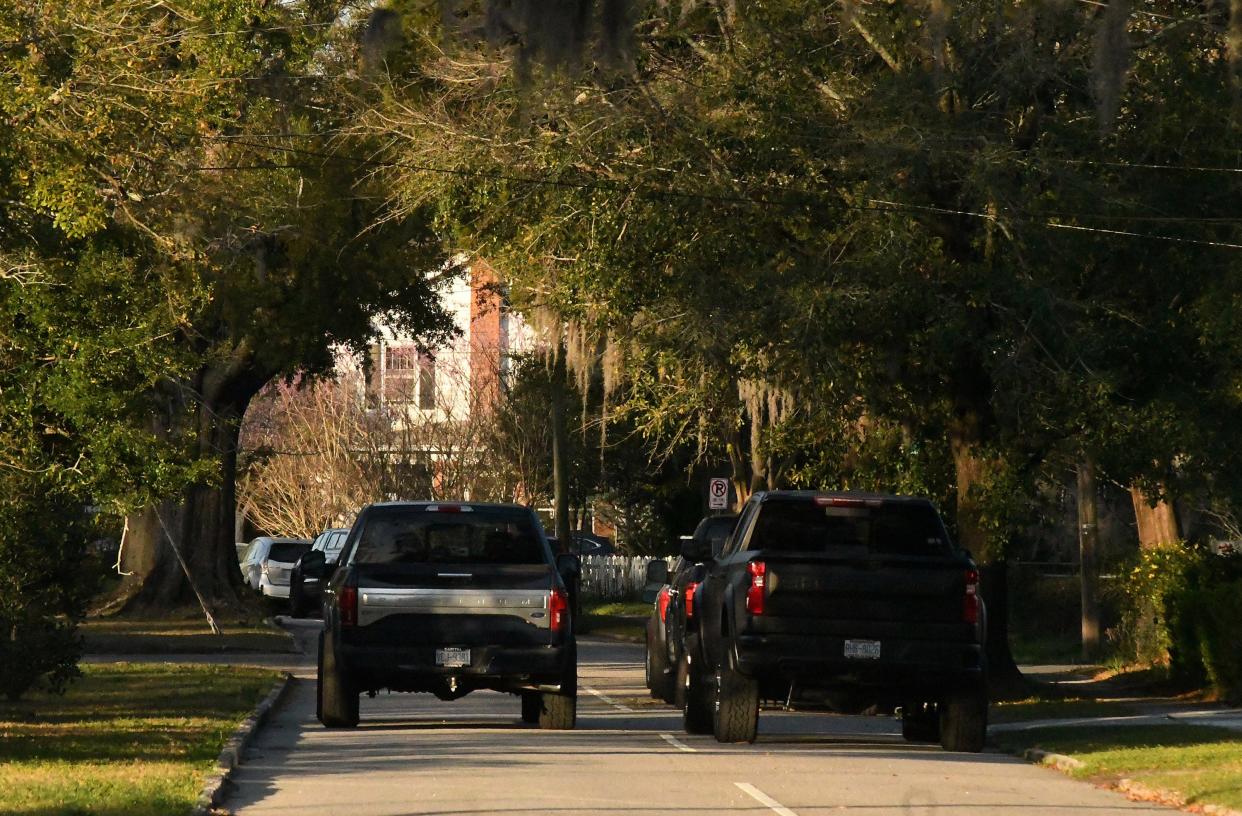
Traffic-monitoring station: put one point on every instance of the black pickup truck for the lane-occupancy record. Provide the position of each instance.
(666, 624)
(844, 601)
(447, 598)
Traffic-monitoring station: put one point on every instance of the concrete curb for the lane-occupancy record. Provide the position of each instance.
(231, 755)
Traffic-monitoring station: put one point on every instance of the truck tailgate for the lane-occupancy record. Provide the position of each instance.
(877, 596)
(424, 604)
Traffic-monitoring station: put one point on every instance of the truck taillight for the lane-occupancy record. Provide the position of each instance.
(970, 603)
(757, 594)
(691, 589)
(348, 605)
(558, 609)
(662, 604)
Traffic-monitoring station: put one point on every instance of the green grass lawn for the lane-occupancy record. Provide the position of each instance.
(1201, 764)
(621, 620)
(132, 739)
(1032, 650)
(1053, 708)
(190, 636)
(623, 608)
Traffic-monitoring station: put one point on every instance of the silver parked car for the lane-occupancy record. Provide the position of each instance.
(305, 592)
(267, 562)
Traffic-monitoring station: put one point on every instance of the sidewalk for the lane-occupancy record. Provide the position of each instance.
(1148, 712)
(1218, 717)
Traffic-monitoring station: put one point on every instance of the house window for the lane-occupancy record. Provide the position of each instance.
(402, 358)
(426, 381)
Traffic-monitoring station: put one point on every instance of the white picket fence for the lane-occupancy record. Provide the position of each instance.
(613, 577)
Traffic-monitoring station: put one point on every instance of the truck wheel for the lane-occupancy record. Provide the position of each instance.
(659, 676)
(532, 704)
(696, 707)
(735, 715)
(297, 606)
(964, 721)
(920, 722)
(558, 711)
(337, 698)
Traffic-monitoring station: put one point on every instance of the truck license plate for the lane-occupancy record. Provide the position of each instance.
(864, 649)
(452, 657)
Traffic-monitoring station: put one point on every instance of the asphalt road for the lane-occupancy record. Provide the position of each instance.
(414, 754)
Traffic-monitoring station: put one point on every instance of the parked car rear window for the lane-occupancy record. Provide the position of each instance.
(332, 549)
(287, 551)
(715, 529)
(889, 529)
(480, 536)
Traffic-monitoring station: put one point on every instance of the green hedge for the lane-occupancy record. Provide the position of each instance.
(1207, 623)
(1183, 608)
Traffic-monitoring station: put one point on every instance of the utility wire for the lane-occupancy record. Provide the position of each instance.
(809, 197)
(912, 148)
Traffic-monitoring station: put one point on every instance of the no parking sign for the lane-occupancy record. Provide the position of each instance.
(718, 494)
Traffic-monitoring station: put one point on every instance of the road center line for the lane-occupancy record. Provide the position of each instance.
(763, 799)
(608, 700)
(676, 743)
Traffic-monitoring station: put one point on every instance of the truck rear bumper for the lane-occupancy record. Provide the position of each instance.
(414, 668)
(905, 668)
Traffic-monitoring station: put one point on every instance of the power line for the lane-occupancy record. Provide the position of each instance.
(1127, 233)
(938, 148)
(890, 206)
(1153, 14)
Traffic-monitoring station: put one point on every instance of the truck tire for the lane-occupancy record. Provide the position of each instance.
(696, 695)
(336, 696)
(558, 711)
(660, 678)
(964, 721)
(532, 704)
(735, 716)
(920, 722)
(297, 604)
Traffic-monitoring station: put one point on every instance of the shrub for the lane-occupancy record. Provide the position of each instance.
(1182, 607)
(1144, 634)
(39, 653)
(46, 577)
(1207, 626)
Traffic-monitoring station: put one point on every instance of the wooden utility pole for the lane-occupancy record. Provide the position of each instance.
(1088, 544)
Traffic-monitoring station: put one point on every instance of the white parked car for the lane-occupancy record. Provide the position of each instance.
(267, 562)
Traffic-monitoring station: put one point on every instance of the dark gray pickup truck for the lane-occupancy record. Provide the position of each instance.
(844, 601)
(447, 598)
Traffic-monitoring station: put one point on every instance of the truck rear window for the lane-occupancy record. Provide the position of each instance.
(480, 536)
(889, 529)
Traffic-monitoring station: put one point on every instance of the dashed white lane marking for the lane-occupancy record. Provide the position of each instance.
(608, 700)
(676, 743)
(763, 799)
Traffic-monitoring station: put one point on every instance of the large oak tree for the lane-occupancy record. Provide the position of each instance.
(203, 139)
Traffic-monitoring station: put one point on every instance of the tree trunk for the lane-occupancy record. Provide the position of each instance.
(972, 469)
(560, 453)
(739, 466)
(758, 466)
(202, 524)
(1156, 524)
(1088, 539)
